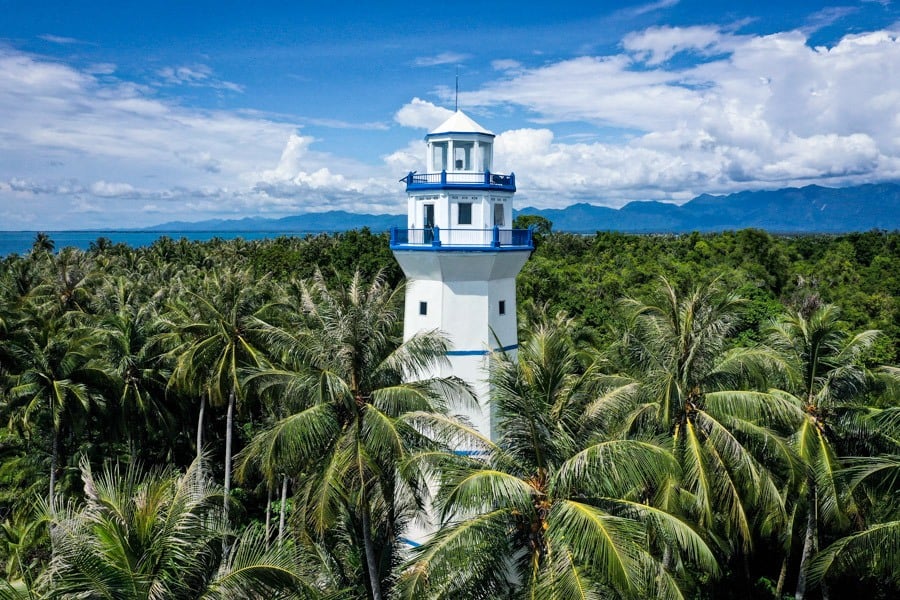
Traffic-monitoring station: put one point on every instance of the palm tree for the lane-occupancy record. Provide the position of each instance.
(352, 421)
(68, 285)
(20, 535)
(159, 534)
(218, 337)
(42, 244)
(681, 381)
(824, 381)
(54, 386)
(875, 551)
(129, 326)
(552, 510)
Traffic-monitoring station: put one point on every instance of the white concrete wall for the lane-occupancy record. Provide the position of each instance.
(463, 290)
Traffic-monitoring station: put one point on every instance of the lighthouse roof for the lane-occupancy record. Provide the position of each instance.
(459, 122)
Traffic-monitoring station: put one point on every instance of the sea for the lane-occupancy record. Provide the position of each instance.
(19, 242)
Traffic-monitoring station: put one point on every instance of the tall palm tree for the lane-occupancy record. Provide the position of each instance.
(681, 381)
(55, 387)
(824, 382)
(552, 510)
(152, 534)
(218, 338)
(129, 325)
(352, 421)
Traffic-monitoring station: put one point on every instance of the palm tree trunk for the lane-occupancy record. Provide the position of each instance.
(268, 513)
(229, 422)
(200, 424)
(810, 540)
(283, 510)
(782, 577)
(369, 547)
(54, 464)
(789, 546)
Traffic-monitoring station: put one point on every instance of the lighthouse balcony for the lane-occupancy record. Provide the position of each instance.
(468, 180)
(435, 238)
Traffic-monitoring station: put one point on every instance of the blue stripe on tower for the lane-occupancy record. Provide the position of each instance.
(480, 352)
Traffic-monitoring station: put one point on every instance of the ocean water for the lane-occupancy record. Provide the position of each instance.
(19, 242)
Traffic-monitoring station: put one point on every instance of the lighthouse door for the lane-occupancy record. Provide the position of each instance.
(498, 215)
(428, 220)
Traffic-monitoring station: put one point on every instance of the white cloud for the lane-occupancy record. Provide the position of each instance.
(110, 142)
(101, 69)
(198, 75)
(59, 39)
(828, 16)
(422, 114)
(738, 112)
(444, 58)
(758, 111)
(506, 64)
(106, 189)
(659, 44)
(643, 9)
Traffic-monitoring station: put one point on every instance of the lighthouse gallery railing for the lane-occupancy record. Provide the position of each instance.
(486, 179)
(436, 237)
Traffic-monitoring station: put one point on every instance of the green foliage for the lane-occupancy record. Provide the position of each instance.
(110, 354)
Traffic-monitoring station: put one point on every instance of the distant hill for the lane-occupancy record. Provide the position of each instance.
(335, 220)
(811, 209)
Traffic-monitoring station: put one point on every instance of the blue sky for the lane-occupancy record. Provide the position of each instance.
(129, 114)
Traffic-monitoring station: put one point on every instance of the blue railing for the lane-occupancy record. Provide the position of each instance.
(483, 239)
(469, 179)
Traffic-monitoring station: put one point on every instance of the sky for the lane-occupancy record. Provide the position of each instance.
(125, 114)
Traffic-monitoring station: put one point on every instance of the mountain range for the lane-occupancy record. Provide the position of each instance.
(811, 209)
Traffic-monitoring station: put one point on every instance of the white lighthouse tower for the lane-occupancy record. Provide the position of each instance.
(461, 255)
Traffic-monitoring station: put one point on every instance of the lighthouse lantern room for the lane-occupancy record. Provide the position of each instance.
(461, 255)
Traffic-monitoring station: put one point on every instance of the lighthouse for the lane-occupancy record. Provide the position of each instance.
(461, 255)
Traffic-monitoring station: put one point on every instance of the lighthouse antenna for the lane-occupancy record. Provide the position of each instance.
(457, 87)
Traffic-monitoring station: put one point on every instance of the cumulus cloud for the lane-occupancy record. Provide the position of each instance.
(755, 111)
(338, 185)
(110, 142)
(672, 113)
(107, 189)
(422, 114)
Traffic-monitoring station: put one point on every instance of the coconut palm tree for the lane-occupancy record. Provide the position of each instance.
(56, 384)
(216, 337)
(552, 510)
(68, 283)
(875, 551)
(129, 325)
(21, 534)
(160, 534)
(680, 380)
(352, 420)
(824, 379)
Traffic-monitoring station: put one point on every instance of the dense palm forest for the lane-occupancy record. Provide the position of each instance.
(699, 416)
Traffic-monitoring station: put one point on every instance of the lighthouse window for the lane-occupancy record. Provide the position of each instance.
(439, 159)
(502, 307)
(465, 213)
(462, 156)
(498, 215)
(423, 308)
(486, 157)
